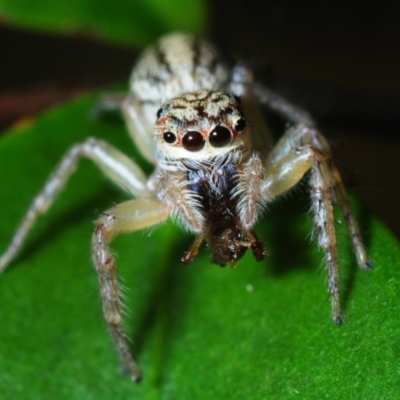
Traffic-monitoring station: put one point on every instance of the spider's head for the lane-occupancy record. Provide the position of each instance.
(199, 126)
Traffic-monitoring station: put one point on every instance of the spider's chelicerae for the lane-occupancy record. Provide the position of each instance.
(199, 121)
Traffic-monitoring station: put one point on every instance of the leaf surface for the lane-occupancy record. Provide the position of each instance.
(129, 22)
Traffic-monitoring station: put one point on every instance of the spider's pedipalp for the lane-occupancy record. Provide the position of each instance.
(183, 203)
(251, 203)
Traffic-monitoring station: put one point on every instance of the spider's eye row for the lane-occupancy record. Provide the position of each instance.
(220, 136)
(193, 141)
(240, 125)
(169, 137)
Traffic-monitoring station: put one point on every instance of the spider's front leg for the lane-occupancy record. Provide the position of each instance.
(300, 150)
(126, 217)
(114, 164)
(303, 133)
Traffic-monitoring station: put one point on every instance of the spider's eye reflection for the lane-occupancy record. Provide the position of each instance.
(193, 141)
(220, 136)
(169, 137)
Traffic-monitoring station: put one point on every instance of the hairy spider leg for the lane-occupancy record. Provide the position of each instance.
(301, 149)
(126, 217)
(341, 199)
(286, 172)
(115, 165)
(305, 133)
(136, 119)
(130, 216)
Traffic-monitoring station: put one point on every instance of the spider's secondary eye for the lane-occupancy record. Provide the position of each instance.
(240, 125)
(160, 110)
(169, 137)
(193, 141)
(220, 136)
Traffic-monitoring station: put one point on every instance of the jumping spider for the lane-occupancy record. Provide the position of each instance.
(199, 121)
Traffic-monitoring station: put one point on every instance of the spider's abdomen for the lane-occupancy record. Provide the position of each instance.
(178, 63)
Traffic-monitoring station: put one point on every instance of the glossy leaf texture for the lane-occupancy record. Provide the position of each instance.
(129, 22)
(262, 330)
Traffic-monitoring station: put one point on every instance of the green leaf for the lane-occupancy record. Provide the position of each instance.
(121, 21)
(260, 331)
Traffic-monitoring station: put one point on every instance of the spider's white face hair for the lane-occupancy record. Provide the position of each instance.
(199, 127)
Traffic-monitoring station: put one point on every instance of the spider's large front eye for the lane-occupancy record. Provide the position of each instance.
(169, 137)
(193, 141)
(220, 136)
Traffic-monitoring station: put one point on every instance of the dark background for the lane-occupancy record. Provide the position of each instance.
(340, 60)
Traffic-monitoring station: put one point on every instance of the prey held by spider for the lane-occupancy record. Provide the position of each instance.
(199, 121)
